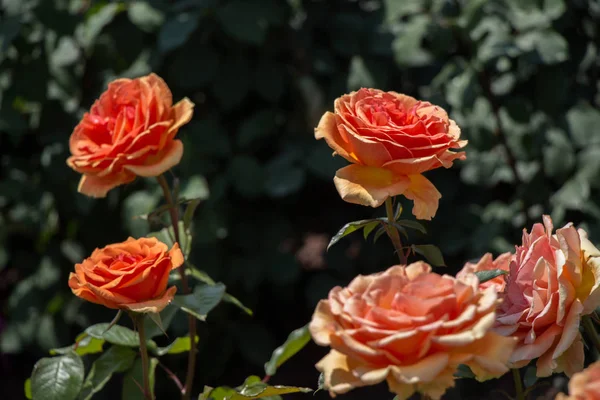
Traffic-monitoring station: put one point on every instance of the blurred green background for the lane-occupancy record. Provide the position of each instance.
(520, 77)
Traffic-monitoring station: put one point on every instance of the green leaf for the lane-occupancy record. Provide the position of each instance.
(296, 340)
(144, 16)
(432, 254)
(398, 212)
(247, 20)
(139, 203)
(196, 188)
(283, 180)
(228, 298)
(57, 378)
(463, 371)
(118, 334)
(166, 236)
(256, 390)
(66, 53)
(348, 229)
(378, 234)
(155, 317)
(573, 194)
(320, 382)
(179, 345)
(530, 377)
(9, 30)
(583, 121)
(84, 344)
(366, 73)
(412, 224)
(166, 317)
(131, 390)
(202, 301)
(368, 228)
(488, 275)
(407, 47)
(114, 360)
(203, 277)
(188, 215)
(27, 389)
(176, 31)
(559, 157)
(547, 45)
(91, 28)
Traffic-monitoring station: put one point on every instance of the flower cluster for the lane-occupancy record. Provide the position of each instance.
(412, 327)
(408, 326)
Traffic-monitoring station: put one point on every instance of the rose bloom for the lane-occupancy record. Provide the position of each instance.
(131, 275)
(128, 132)
(553, 281)
(390, 139)
(488, 263)
(584, 385)
(411, 328)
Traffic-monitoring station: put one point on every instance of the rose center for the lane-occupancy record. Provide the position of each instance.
(124, 260)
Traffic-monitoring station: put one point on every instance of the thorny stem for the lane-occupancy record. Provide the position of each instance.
(518, 384)
(590, 330)
(172, 376)
(139, 322)
(174, 212)
(393, 232)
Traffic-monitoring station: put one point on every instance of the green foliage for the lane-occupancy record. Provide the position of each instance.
(432, 254)
(201, 301)
(296, 340)
(179, 345)
(57, 378)
(133, 379)
(116, 359)
(519, 78)
(485, 276)
(117, 334)
(252, 388)
(85, 344)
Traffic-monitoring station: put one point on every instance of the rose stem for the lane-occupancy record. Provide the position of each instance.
(393, 232)
(518, 384)
(174, 211)
(139, 322)
(588, 325)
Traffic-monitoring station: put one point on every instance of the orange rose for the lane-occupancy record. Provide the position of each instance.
(409, 327)
(390, 139)
(488, 263)
(584, 385)
(131, 275)
(553, 281)
(128, 132)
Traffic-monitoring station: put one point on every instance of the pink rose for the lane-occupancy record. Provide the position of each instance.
(584, 385)
(411, 328)
(488, 263)
(553, 281)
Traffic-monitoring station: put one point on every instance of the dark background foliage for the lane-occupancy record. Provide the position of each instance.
(520, 77)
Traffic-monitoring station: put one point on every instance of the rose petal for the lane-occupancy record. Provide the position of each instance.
(328, 130)
(425, 196)
(171, 157)
(153, 306)
(337, 374)
(98, 187)
(368, 186)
